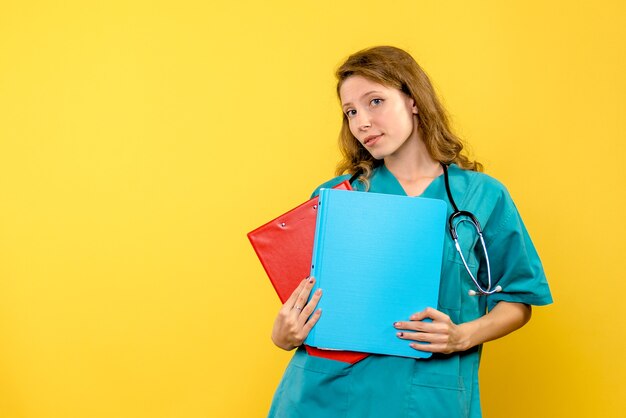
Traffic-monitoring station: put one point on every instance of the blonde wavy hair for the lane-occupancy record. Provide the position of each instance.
(394, 67)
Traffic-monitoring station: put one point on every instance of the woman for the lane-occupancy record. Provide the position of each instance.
(396, 138)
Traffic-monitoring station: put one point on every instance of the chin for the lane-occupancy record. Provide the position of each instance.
(379, 155)
(376, 154)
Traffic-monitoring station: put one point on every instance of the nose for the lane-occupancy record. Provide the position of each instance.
(363, 121)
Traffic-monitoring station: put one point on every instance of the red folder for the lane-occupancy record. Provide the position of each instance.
(285, 248)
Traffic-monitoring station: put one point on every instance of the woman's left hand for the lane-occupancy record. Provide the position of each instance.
(443, 335)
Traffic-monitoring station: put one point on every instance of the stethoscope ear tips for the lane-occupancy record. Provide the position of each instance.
(496, 290)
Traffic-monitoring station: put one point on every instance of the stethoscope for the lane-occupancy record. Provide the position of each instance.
(462, 216)
(465, 216)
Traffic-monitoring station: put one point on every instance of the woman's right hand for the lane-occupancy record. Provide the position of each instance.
(296, 318)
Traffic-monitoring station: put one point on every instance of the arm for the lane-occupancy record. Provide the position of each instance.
(446, 337)
(296, 318)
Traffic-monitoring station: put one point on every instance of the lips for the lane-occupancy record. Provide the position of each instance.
(372, 139)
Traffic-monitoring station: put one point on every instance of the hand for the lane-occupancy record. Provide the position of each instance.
(294, 320)
(443, 335)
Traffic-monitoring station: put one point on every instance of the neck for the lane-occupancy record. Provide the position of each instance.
(413, 162)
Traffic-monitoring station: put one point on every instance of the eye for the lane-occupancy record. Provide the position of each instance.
(350, 113)
(376, 102)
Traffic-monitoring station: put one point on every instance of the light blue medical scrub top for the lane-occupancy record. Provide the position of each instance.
(443, 386)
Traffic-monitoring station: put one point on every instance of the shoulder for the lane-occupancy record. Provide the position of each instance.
(330, 184)
(476, 179)
(486, 197)
(474, 184)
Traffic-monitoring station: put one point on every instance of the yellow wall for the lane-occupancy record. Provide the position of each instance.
(141, 140)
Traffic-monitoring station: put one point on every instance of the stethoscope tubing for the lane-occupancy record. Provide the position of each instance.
(470, 218)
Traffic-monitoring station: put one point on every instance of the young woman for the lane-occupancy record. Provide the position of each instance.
(396, 139)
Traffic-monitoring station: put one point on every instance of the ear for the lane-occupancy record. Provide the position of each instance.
(414, 107)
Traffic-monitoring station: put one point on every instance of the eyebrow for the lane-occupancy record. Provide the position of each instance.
(363, 95)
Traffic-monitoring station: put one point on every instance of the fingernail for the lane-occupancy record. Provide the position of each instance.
(400, 334)
(311, 279)
(396, 324)
(318, 292)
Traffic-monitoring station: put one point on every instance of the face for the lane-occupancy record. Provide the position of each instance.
(381, 118)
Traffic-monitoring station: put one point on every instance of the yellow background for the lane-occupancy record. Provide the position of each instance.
(141, 140)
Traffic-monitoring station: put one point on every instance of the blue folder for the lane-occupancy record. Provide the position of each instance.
(378, 259)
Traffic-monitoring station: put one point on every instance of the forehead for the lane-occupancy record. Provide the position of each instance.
(355, 87)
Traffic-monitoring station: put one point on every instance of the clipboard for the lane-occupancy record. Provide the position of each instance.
(284, 246)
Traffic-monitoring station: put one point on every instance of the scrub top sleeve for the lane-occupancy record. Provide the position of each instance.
(515, 264)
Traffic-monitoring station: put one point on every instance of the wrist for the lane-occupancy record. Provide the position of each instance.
(284, 345)
(468, 331)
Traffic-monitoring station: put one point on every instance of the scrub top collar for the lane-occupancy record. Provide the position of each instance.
(385, 182)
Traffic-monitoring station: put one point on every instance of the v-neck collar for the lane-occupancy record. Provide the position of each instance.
(383, 181)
